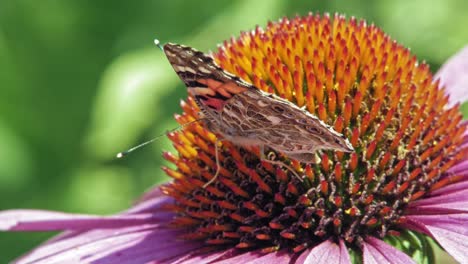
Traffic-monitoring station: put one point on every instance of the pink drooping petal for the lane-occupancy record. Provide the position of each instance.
(452, 188)
(454, 76)
(153, 204)
(123, 245)
(75, 239)
(203, 256)
(451, 201)
(38, 220)
(460, 168)
(326, 252)
(375, 251)
(153, 192)
(156, 247)
(253, 257)
(451, 231)
(465, 135)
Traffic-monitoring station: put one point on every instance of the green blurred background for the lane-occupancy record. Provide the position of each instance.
(81, 80)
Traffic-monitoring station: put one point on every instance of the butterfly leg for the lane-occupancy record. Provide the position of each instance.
(218, 166)
(279, 163)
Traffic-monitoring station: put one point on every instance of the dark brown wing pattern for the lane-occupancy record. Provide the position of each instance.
(206, 81)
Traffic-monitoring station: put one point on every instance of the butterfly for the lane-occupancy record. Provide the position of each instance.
(239, 112)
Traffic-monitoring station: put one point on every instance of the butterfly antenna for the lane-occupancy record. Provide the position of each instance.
(158, 43)
(125, 153)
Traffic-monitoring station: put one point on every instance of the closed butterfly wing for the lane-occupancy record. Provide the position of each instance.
(245, 115)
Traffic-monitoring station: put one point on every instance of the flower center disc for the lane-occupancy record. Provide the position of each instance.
(354, 78)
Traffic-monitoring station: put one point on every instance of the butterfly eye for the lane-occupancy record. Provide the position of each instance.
(278, 109)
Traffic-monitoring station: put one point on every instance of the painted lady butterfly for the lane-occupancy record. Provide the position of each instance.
(245, 115)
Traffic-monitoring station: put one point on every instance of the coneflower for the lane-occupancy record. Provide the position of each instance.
(405, 183)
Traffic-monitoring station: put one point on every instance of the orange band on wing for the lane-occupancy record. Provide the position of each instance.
(227, 89)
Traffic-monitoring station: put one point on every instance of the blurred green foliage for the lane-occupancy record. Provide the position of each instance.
(81, 80)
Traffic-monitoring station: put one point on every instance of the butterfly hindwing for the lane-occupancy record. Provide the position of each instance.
(210, 85)
(277, 123)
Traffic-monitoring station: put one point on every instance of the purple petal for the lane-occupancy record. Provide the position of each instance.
(451, 231)
(375, 251)
(452, 188)
(131, 245)
(154, 204)
(465, 136)
(200, 256)
(454, 76)
(37, 220)
(302, 257)
(75, 239)
(460, 168)
(252, 257)
(454, 201)
(157, 247)
(154, 192)
(326, 252)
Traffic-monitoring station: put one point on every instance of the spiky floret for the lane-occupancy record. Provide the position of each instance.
(353, 77)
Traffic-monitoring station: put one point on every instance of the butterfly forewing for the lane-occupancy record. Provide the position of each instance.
(206, 81)
(245, 115)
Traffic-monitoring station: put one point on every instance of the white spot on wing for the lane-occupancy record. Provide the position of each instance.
(184, 69)
(252, 94)
(204, 70)
(262, 103)
(189, 70)
(274, 120)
